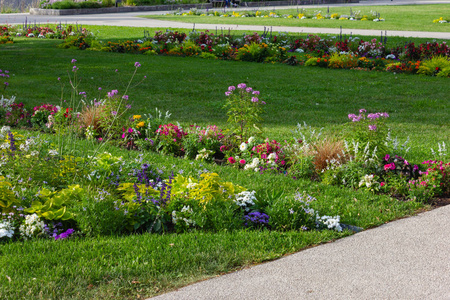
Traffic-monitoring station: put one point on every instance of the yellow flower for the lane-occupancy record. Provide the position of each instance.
(136, 117)
(140, 124)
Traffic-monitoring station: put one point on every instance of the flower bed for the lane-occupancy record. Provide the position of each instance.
(111, 195)
(353, 53)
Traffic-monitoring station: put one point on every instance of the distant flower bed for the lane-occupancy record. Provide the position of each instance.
(441, 20)
(302, 15)
(33, 31)
(353, 53)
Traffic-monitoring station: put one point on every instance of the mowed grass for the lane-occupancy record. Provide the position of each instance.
(400, 17)
(193, 89)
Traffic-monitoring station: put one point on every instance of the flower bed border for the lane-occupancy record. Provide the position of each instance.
(109, 10)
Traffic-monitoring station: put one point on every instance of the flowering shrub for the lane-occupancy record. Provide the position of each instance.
(244, 110)
(41, 114)
(170, 138)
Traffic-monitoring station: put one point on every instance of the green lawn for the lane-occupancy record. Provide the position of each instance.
(404, 17)
(192, 90)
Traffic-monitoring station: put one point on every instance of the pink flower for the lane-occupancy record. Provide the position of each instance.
(373, 127)
(249, 90)
(390, 166)
(123, 135)
(231, 88)
(242, 86)
(386, 158)
(228, 93)
(130, 130)
(255, 93)
(254, 99)
(382, 183)
(242, 161)
(231, 160)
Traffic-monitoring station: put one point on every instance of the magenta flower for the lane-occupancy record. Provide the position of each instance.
(390, 166)
(386, 158)
(362, 110)
(231, 160)
(74, 69)
(99, 88)
(59, 78)
(123, 135)
(125, 97)
(254, 99)
(242, 86)
(249, 90)
(231, 88)
(255, 93)
(73, 61)
(128, 106)
(373, 127)
(228, 93)
(137, 65)
(384, 115)
(242, 161)
(130, 130)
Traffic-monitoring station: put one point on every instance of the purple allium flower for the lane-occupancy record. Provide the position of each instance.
(73, 61)
(242, 86)
(373, 127)
(228, 93)
(254, 99)
(231, 88)
(255, 93)
(137, 65)
(125, 97)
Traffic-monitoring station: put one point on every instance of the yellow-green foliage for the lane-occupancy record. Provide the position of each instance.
(311, 62)
(435, 66)
(54, 207)
(7, 197)
(209, 187)
(128, 190)
(342, 61)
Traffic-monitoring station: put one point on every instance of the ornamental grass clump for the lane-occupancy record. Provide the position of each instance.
(244, 111)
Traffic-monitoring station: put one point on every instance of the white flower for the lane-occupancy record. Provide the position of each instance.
(251, 140)
(245, 199)
(52, 152)
(243, 147)
(390, 56)
(272, 156)
(6, 229)
(33, 226)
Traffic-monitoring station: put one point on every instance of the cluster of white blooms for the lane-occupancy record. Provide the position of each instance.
(4, 132)
(204, 154)
(6, 103)
(253, 165)
(53, 152)
(6, 229)
(186, 210)
(367, 180)
(32, 226)
(25, 147)
(330, 222)
(245, 199)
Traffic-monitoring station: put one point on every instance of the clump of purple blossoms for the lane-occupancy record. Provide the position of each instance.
(256, 218)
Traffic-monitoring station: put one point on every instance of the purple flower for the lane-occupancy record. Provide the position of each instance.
(117, 70)
(242, 86)
(114, 113)
(254, 99)
(128, 106)
(386, 158)
(59, 78)
(351, 116)
(6, 83)
(82, 93)
(125, 97)
(415, 168)
(249, 90)
(74, 68)
(74, 61)
(262, 102)
(231, 88)
(362, 110)
(99, 88)
(137, 65)
(384, 115)
(228, 93)
(373, 127)
(373, 116)
(130, 130)
(64, 234)
(255, 93)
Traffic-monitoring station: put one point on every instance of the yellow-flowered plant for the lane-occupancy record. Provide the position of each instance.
(334, 16)
(7, 197)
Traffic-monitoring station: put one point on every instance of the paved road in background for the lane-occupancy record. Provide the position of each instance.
(132, 19)
(405, 259)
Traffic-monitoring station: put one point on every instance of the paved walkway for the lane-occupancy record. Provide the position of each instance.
(131, 19)
(405, 259)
